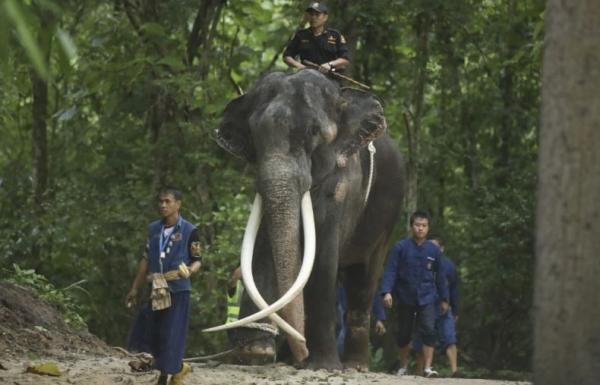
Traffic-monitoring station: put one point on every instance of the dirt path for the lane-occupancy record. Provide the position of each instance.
(99, 370)
(33, 332)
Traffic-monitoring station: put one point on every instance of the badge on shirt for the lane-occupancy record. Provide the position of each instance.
(176, 237)
(331, 39)
(430, 263)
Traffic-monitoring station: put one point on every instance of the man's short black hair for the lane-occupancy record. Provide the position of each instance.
(171, 190)
(421, 215)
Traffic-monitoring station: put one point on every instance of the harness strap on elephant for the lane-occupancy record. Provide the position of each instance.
(372, 152)
(263, 327)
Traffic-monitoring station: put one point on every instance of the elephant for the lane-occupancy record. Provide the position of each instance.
(330, 186)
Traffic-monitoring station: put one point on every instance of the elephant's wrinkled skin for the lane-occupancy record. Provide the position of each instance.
(304, 132)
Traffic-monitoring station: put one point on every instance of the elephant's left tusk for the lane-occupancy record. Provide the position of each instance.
(246, 267)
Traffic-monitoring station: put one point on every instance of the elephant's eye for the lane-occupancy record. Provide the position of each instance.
(315, 129)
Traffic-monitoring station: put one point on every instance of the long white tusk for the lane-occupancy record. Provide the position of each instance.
(295, 289)
(250, 285)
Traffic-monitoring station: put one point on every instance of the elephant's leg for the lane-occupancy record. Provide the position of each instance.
(361, 282)
(320, 307)
(356, 346)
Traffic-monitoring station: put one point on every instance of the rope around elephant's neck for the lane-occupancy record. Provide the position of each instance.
(265, 327)
(272, 330)
(372, 152)
(253, 325)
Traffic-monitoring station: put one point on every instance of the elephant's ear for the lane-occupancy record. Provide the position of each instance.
(361, 119)
(234, 133)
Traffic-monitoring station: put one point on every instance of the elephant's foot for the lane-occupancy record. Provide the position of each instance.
(298, 349)
(358, 360)
(359, 365)
(356, 351)
(323, 361)
(256, 353)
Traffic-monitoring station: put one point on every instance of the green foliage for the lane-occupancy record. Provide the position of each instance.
(23, 23)
(61, 297)
(376, 359)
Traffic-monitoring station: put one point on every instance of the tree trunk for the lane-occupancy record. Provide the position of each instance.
(39, 117)
(506, 132)
(39, 137)
(203, 33)
(39, 140)
(567, 326)
(461, 118)
(413, 125)
(411, 165)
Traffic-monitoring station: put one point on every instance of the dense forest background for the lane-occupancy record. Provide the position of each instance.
(103, 102)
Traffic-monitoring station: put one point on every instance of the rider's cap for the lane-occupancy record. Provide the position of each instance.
(316, 6)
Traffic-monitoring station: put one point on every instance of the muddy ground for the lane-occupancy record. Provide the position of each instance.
(33, 332)
(90, 370)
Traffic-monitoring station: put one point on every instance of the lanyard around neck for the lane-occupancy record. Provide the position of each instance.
(163, 240)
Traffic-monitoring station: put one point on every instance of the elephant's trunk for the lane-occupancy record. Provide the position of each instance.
(282, 203)
(282, 217)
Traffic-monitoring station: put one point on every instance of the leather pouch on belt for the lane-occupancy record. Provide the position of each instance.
(160, 296)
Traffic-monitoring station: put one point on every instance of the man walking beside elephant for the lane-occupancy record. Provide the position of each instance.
(413, 272)
(172, 256)
(445, 324)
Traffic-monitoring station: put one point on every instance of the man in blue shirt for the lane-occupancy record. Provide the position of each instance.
(445, 324)
(172, 256)
(379, 314)
(341, 319)
(414, 272)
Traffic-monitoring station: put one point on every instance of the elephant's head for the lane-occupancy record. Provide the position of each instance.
(295, 128)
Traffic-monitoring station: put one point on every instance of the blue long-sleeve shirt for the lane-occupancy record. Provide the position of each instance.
(415, 273)
(451, 276)
(378, 310)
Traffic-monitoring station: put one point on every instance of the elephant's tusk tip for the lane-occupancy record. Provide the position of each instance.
(215, 329)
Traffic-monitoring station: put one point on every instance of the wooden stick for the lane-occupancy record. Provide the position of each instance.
(337, 75)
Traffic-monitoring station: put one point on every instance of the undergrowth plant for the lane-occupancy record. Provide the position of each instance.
(62, 298)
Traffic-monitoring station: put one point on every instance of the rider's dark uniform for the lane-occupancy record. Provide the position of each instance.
(326, 47)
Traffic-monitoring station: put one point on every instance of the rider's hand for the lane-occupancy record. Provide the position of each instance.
(326, 68)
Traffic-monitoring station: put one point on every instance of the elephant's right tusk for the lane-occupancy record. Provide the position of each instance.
(246, 267)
